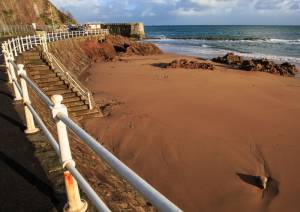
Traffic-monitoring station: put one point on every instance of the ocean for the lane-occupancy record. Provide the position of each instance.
(279, 43)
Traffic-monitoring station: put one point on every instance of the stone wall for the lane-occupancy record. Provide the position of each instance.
(131, 30)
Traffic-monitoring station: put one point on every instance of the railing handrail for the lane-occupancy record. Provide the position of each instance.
(156, 198)
(59, 114)
(71, 79)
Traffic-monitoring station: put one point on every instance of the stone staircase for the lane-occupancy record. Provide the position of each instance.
(52, 83)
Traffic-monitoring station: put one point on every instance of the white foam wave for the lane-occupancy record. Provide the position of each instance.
(269, 40)
(209, 53)
(274, 40)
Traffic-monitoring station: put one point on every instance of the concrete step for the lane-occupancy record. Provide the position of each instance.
(55, 87)
(86, 113)
(69, 95)
(58, 92)
(71, 99)
(32, 57)
(52, 84)
(53, 79)
(39, 67)
(32, 52)
(73, 104)
(40, 72)
(78, 108)
(42, 76)
(31, 63)
(47, 84)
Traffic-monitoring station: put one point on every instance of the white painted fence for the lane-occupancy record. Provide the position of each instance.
(18, 78)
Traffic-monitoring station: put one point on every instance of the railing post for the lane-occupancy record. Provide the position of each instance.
(19, 45)
(9, 46)
(90, 101)
(26, 100)
(74, 201)
(14, 47)
(22, 43)
(27, 42)
(30, 42)
(5, 54)
(14, 78)
(35, 40)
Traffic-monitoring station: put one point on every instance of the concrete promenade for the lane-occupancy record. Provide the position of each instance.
(24, 185)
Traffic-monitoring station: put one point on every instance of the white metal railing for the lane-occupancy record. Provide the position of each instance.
(18, 78)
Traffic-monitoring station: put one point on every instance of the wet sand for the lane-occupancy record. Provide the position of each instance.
(197, 136)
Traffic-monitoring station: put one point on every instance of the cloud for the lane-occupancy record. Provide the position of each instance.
(214, 3)
(185, 11)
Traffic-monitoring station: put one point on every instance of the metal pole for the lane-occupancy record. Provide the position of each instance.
(14, 79)
(26, 100)
(9, 45)
(74, 201)
(19, 45)
(90, 102)
(30, 42)
(14, 47)
(5, 54)
(22, 43)
(27, 42)
(35, 41)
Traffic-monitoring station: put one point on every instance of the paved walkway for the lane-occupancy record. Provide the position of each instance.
(23, 183)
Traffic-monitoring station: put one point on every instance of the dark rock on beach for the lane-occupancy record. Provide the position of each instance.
(230, 59)
(263, 65)
(184, 63)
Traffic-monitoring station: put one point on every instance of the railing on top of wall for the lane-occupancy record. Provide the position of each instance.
(18, 78)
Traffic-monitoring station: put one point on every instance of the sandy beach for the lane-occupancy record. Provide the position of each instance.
(198, 135)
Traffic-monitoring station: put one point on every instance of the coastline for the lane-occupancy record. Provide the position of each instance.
(217, 53)
(197, 129)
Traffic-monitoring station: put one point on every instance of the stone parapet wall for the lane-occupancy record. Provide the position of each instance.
(131, 30)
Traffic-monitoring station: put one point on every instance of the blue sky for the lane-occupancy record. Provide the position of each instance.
(170, 12)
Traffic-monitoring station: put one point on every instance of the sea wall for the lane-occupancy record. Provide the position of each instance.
(71, 54)
(131, 30)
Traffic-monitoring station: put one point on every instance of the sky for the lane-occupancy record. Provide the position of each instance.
(183, 12)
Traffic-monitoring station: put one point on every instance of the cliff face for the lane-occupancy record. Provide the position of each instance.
(17, 12)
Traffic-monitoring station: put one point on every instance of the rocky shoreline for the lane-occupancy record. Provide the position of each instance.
(113, 47)
(190, 64)
(263, 65)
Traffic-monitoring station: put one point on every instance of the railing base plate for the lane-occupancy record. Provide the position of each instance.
(27, 131)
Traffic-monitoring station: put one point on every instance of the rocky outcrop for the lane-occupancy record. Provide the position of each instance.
(230, 59)
(99, 51)
(263, 65)
(125, 46)
(143, 49)
(184, 63)
(114, 46)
